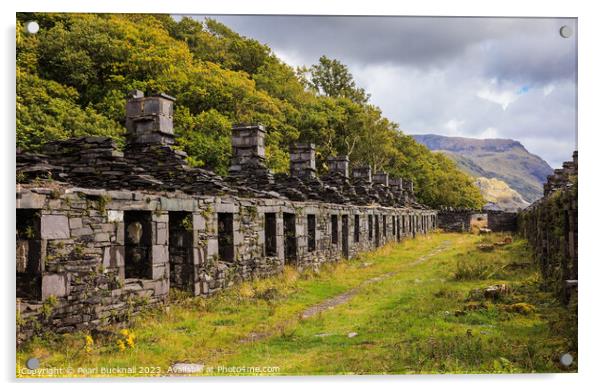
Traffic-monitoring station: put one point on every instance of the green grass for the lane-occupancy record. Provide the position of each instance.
(425, 317)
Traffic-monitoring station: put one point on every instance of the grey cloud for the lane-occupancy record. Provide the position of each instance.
(527, 47)
(424, 102)
(541, 56)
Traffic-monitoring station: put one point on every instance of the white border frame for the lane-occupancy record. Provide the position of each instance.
(589, 79)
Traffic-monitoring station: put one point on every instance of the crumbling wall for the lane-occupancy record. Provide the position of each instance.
(454, 220)
(550, 226)
(462, 220)
(83, 282)
(84, 233)
(500, 221)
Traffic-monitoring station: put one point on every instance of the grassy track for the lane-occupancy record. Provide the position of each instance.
(414, 307)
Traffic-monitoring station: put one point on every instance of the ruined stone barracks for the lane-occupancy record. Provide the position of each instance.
(550, 225)
(104, 232)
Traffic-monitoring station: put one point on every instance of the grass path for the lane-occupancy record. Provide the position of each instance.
(405, 308)
(340, 299)
(345, 297)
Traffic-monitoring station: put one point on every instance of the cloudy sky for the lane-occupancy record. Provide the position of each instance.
(472, 77)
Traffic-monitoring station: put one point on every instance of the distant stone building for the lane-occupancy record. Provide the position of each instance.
(102, 233)
(465, 220)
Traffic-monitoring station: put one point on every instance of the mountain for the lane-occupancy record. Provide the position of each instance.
(499, 195)
(503, 159)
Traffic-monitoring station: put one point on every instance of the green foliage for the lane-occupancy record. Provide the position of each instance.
(205, 137)
(73, 77)
(332, 78)
(478, 265)
(29, 233)
(47, 111)
(187, 223)
(103, 201)
(214, 42)
(48, 306)
(547, 226)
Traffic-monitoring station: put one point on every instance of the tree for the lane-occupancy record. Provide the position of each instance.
(332, 78)
(48, 111)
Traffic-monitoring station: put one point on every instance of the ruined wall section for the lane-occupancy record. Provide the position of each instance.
(501, 221)
(454, 220)
(550, 226)
(102, 232)
(84, 281)
(462, 220)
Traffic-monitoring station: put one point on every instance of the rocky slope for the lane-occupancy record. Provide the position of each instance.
(499, 195)
(502, 159)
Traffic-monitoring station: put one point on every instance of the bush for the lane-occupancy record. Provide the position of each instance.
(475, 270)
(521, 308)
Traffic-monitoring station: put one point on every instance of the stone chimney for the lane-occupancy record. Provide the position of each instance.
(381, 178)
(248, 147)
(149, 120)
(339, 164)
(362, 173)
(303, 160)
(396, 185)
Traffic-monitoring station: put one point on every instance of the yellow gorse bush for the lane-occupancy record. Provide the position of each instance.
(246, 290)
(89, 343)
(126, 340)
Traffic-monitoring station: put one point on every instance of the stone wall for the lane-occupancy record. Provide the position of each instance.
(550, 226)
(454, 220)
(500, 221)
(83, 282)
(103, 233)
(462, 220)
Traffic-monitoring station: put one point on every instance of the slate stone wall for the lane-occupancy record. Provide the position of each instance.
(500, 221)
(550, 226)
(83, 284)
(461, 220)
(454, 221)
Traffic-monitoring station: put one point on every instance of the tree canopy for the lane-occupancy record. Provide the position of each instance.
(74, 75)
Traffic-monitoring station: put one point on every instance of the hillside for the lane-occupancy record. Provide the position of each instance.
(503, 159)
(73, 77)
(499, 195)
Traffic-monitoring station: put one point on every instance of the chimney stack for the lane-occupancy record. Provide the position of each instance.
(362, 173)
(248, 147)
(382, 178)
(149, 120)
(303, 160)
(396, 185)
(339, 164)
